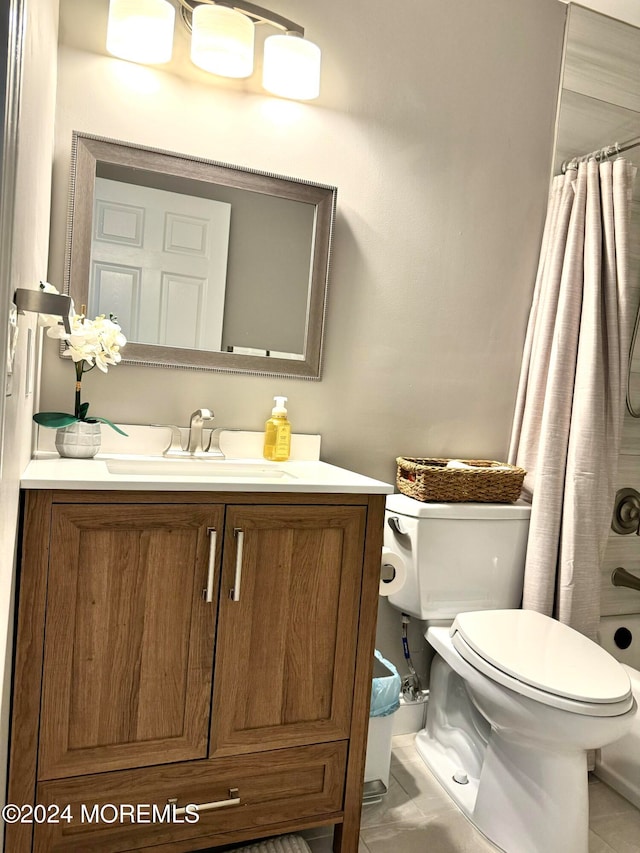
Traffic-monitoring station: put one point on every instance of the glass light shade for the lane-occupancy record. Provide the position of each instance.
(141, 30)
(291, 67)
(222, 41)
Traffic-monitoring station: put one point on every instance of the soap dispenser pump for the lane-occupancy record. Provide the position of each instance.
(277, 433)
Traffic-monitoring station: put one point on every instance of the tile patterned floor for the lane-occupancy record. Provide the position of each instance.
(416, 816)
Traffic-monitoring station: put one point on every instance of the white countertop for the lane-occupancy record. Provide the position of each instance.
(135, 461)
(49, 471)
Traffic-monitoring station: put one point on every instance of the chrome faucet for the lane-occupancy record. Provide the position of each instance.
(195, 444)
(198, 418)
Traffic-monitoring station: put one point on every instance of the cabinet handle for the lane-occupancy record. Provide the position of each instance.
(207, 593)
(234, 800)
(234, 594)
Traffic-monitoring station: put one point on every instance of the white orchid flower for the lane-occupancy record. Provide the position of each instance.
(55, 331)
(105, 358)
(98, 342)
(95, 343)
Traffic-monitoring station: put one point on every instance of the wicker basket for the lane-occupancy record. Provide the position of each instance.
(485, 481)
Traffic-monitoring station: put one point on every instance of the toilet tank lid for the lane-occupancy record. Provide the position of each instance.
(404, 505)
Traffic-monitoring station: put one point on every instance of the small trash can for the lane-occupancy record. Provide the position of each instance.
(385, 699)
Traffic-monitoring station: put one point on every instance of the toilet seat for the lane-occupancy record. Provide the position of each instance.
(543, 659)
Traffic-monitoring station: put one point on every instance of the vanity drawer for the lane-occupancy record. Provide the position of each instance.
(272, 788)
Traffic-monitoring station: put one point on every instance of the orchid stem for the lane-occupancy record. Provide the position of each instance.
(79, 372)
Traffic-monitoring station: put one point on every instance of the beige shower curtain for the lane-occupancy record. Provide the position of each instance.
(570, 405)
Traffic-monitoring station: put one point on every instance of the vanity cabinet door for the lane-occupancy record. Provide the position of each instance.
(129, 636)
(288, 626)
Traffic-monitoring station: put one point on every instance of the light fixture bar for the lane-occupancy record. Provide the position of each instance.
(256, 13)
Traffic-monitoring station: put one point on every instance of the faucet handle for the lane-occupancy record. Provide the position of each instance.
(626, 512)
(174, 447)
(213, 450)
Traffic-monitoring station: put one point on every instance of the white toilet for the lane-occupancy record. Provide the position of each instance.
(516, 698)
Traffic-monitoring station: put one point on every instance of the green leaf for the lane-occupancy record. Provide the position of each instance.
(54, 420)
(82, 412)
(112, 425)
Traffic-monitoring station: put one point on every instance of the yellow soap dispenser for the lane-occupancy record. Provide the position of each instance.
(277, 433)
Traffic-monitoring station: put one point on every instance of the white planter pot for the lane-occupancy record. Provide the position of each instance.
(80, 440)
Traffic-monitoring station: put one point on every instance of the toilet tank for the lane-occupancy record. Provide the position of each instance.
(458, 556)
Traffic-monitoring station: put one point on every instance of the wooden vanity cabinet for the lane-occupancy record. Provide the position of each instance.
(192, 648)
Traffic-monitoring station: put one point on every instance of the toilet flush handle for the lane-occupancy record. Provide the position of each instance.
(396, 525)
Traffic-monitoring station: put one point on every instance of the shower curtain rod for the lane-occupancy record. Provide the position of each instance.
(602, 153)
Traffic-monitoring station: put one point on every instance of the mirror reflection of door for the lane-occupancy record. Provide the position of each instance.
(159, 256)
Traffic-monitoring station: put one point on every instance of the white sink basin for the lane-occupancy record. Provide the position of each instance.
(210, 468)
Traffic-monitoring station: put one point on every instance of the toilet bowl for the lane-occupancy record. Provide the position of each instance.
(528, 791)
(516, 699)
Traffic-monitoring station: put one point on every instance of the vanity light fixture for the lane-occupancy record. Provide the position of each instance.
(222, 41)
(291, 67)
(291, 63)
(141, 30)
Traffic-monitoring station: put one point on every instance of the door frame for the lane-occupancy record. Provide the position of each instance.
(12, 23)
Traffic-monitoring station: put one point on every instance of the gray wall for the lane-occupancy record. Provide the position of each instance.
(436, 123)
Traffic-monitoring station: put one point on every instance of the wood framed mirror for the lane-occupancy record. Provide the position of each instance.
(205, 265)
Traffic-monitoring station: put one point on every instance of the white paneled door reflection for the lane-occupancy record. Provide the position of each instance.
(159, 263)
